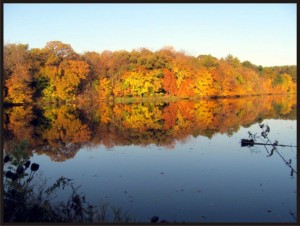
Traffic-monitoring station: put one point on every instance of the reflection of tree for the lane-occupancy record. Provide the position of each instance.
(20, 122)
(60, 132)
(139, 116)
(104, 112)
(169, 115)
(283, 105)
(66, 133)
(148, 122)
(205, 111)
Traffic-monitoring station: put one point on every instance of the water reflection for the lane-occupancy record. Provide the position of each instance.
(179, 161)
(60, 131)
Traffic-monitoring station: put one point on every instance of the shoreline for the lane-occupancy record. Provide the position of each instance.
(125, 100)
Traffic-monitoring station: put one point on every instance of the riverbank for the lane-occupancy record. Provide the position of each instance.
(126, 100)
(194, 98)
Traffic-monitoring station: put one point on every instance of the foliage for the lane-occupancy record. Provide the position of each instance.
(17, 76)
(65, 128)
(57, 72)
(60, 131)
(65, 78)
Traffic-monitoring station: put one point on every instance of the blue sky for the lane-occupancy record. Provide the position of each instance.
(264, 34)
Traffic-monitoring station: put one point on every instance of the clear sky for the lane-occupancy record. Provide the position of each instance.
(265, 34)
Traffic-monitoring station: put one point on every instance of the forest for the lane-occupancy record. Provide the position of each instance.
(57, 74)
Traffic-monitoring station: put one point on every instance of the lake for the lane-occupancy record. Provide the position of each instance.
(180, 160)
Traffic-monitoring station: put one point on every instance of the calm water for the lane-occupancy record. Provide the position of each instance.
(181, 161)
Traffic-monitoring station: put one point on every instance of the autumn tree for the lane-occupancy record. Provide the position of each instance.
(208, 61)
(60, 50)
(94, 60)
(140, 83)
(18, 86)
(169, 82)
(64, 71)
(57, 72)
(13, 55)
(233, 61)
(89, 85)
(203, 83)
(18, 79)
(249, 65)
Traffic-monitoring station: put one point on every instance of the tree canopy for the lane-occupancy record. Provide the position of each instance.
(57, 73)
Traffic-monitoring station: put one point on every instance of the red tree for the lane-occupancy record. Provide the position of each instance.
(169, 82)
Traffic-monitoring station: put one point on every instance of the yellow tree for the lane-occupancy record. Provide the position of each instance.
(140, 83)
(203, 83)
(65, 78)
(64, 71)
(152, 82)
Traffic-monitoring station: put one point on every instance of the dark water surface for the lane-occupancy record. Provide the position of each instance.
(181, 161)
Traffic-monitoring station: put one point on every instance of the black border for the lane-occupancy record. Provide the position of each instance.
(141, 1)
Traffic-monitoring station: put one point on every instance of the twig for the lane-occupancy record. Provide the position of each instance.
(264, 134)
(280, 145)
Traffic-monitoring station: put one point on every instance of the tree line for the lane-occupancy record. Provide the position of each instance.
(56, 73)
